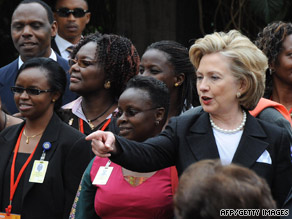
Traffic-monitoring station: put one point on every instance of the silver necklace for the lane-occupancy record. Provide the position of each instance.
(230, 131)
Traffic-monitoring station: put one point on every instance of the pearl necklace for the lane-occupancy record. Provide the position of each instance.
(230, 131)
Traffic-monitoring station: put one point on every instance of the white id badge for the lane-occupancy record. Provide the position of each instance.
(102, 175)
(38, 172)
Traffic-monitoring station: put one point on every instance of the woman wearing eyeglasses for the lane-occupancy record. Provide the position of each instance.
(101, 65)
(230, 81)
(42, 158)
(142, 112)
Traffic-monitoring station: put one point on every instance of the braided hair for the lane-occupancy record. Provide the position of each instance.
(178, 56)
(270, 41)
(118, 57)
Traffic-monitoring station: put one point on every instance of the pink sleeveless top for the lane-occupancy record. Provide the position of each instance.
(118, 199)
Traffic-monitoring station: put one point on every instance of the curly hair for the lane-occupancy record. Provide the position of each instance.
(178, 56)
(118, 57)
(270, 41)
(248, 63)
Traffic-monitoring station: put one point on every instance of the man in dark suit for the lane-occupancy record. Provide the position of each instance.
(72, 17)
(31, 34)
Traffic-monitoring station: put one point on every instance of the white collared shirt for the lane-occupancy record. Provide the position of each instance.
(52, 56)
(62, 46)
(76, 108)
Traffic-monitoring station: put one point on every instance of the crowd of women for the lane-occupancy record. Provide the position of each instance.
(130, 112)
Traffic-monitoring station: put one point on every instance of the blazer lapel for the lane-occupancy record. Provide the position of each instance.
(50, 135)
(201, 139)
(7, 144)
(251, 146)
(203, 145)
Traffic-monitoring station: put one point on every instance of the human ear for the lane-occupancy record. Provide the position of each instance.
(179, 79)
(55, 96)
(54, 28)
(88, 16)
(159, 114)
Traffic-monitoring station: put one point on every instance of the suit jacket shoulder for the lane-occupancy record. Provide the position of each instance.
(63, 62)
(5, 71)
(8, 75)
(273, 116)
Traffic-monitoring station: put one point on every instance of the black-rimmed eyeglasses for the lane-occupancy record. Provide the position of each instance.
(77, 12)
(29, 91)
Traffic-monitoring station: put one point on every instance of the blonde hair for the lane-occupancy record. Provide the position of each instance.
(248, 63)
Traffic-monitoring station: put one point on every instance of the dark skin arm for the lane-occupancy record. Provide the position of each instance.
(6, 119)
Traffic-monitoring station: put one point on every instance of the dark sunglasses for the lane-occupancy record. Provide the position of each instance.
(29, 91)
(77, 12)
(130, 112)
(81, 62)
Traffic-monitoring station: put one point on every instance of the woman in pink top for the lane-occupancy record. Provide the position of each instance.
(142, 112)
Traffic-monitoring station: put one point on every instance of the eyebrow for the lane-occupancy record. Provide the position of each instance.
(84, 57)
(209, 72)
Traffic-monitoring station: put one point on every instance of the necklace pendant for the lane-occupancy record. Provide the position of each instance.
(71, 121)
(91, 125)
(27, 140)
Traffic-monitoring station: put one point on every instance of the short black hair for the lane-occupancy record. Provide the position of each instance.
(55, 74)
(42, 3)
(157, 90)
(56, 1)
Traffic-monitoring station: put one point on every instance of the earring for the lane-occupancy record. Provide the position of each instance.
(238, 94)
(270, 71)
(176, 84)
(53, 100)
(157, 123)
(107, 85)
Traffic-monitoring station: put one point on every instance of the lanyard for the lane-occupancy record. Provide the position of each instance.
(13, 185)
(81, 128)
(106, 124)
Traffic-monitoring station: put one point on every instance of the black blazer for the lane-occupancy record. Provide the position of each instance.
(189, 138)
(68, 158)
